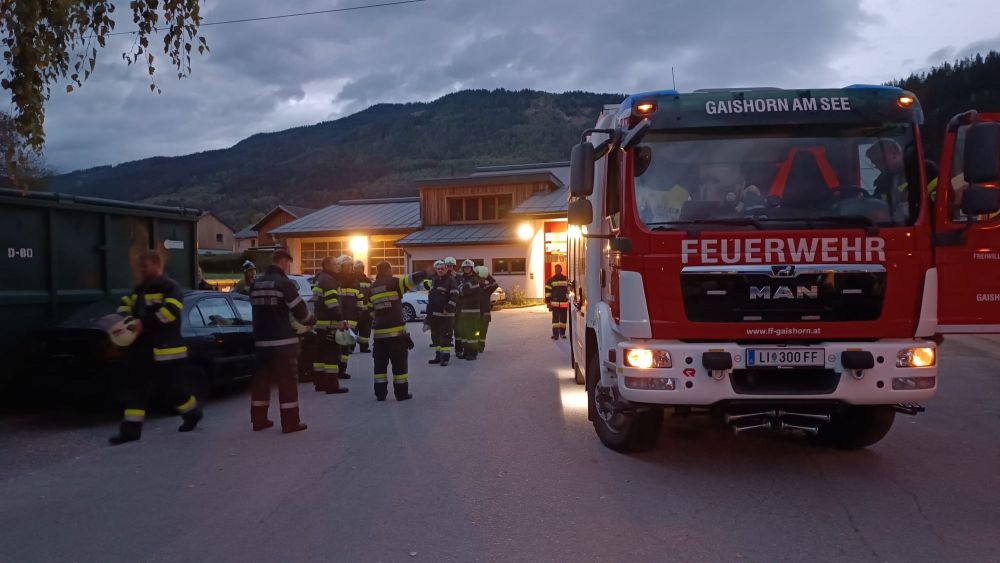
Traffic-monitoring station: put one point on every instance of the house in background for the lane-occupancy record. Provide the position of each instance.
(246, 239)
(214, 236)
(367, 229)
(275, 218)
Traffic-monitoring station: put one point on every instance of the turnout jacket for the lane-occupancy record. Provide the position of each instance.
(365, 285)
(387, 303)
(350, 298)
(485, 292)
(443, 296)
(557, 292)
(158, 305)
(326, 292)
(469, 290)
(273, 297)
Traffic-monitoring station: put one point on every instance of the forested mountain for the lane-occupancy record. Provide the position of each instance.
(379, 151)
(374, 153)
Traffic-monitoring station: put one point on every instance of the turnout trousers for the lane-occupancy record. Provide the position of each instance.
(327, 367)
(146, 375)
(365, 330)
(560, 315)
(278, 365)
(466, 334)
(442, 329)
(484, 327)
(391, 350)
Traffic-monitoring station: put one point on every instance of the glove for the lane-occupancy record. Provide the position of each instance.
(426, 327)
(409, 341)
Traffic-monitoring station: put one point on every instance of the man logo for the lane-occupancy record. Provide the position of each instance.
(784, 292)
(783, 271)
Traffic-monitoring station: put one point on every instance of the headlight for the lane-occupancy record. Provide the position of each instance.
(916, 358)
(646, 359)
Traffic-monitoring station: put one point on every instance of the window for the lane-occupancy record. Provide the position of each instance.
(510, 266)
(484, 208)
(194, 317)
(216, 312)
(218, 237)
(423, 265)
(245, 309)
(313, 254)
(380, 250)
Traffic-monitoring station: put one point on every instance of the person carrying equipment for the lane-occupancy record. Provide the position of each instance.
(487, 285)
(392, 343)
(557, 298)
(349, 296)
(275, 300)
(467, 318)
(157, 353)
(441, 302)
(326, 364)
(364, 307)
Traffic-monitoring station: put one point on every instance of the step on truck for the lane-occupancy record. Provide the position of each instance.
(786, 259)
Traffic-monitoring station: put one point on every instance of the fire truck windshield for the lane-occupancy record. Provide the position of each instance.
(781, 177)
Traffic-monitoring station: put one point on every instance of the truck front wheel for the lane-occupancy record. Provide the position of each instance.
(620, 426)
(858, 427)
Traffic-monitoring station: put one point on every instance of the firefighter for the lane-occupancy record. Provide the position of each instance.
(487, 285)
(275, 300)
(364, 307)
(467, 318)
(157, 353)
(441, 302)
(453, 270)
(349, 296)
(326, 360)
(391, 341)
(249, 274)
(557, 298)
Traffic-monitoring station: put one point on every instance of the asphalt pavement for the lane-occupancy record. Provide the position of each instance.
(495, 460)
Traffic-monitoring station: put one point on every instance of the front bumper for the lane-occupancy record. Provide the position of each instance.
(688, 382)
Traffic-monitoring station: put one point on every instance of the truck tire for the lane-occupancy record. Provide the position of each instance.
(624, 431)
(857, 427)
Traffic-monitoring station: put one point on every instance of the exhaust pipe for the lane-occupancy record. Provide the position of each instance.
(819, 417)
(740, 429)
(730, 418)
(784, 426)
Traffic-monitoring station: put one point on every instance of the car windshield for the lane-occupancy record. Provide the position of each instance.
(778, 178)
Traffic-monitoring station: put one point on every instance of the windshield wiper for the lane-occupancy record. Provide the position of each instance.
(732, 221)
(860, 220)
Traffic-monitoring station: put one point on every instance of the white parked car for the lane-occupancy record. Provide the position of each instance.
(304, 284)
(414, 305)
(498, 296)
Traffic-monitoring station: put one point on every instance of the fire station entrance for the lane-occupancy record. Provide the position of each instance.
(555, 246)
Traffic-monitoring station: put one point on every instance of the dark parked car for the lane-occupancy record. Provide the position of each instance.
(77, 356)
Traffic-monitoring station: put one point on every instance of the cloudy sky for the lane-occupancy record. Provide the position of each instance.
(268, 76)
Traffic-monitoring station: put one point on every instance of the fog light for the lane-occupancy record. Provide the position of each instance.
(645, 359)
(916, 358)
(913, 383)
(651, 383)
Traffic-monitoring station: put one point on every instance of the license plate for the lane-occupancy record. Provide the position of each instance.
(785, 357)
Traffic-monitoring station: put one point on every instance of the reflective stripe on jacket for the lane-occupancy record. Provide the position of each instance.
(158, 304)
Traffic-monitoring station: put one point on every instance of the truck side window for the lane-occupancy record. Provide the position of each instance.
(612, 197)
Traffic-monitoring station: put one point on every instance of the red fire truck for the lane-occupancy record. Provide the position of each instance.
(787, 259)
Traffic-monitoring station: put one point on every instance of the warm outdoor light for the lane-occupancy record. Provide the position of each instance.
(359, 245)
(645, 108)
(525, 232)
(905, 101)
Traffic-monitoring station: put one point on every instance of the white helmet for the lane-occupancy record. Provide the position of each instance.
(346, 337)
(449, 261)
(344, 259)
(439, 263)
(468, 263)
(482, 272)
(122, 330)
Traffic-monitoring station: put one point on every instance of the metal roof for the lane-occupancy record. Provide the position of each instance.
(456, 235)
(549, 202)
(558, 169)
(246, 233)
(515, 177)
(369, 215)
(296, 211)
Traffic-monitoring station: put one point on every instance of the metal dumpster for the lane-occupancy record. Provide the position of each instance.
(60, 253)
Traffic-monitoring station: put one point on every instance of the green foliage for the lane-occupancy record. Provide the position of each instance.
(374, 153)
(47, 41)
(517, 297)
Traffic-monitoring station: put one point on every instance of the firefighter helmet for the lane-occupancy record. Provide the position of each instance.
(449, 261)
(468, 263)
(439, 263)
(344, 259)
(346, 337)
(248, 265)
(359, 265)
(482, 272)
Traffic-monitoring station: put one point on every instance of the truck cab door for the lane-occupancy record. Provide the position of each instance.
(967, 230)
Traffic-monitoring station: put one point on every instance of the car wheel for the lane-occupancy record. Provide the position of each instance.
(409, 313)
(619, 426)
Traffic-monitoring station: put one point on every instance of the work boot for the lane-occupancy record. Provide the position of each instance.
(344, 376)
(191, 419)
(555, 336)
(298, 427)
(444, 358)
(263, 426)
(127, 432)
(436, 360)
(381, 390)
(470, 356)
(401, 391)
(290, 421)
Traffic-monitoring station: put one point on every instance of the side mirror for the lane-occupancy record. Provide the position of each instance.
(581, 170)
(982, 153)
(581, 212)
(979, 200)
(634, 135)
(621, 244)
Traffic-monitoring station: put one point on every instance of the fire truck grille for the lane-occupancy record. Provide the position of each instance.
(747, 294)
